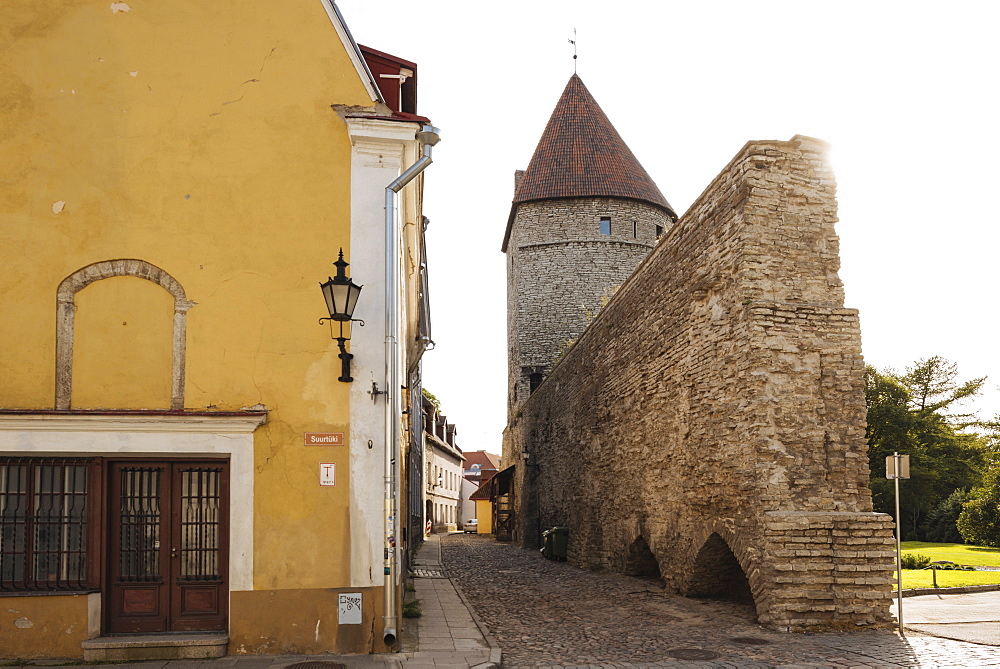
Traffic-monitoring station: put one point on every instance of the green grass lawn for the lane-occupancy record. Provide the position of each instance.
(957, 553)
(923, 578)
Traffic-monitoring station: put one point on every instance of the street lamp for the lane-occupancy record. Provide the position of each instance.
(341, 295)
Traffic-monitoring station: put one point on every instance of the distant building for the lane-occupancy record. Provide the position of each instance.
(467, 504)
(481, 500)
(443, 468)
(480, 466)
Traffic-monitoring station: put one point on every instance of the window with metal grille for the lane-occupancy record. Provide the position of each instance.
(200, 523)
(45, 521)
(139, 524)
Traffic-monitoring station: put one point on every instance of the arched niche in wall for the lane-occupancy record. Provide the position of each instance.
(640, 561)
(717, 573)
(65, 322)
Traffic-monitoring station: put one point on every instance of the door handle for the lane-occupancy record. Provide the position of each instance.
(173, 552)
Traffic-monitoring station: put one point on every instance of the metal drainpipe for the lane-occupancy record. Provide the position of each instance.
(429, 136)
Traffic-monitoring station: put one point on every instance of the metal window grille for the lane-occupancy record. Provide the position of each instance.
(200, 523)
(139, 524)
(43, 523)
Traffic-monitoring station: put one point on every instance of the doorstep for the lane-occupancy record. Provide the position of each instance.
(155, 647)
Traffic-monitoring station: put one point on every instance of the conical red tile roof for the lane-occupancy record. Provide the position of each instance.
(581, 154)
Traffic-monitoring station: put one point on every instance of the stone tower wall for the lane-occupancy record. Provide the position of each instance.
(561, 271)
(716, 407)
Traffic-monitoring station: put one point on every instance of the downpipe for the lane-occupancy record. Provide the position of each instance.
(428, 135)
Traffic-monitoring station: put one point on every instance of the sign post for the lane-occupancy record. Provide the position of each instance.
(898, 467)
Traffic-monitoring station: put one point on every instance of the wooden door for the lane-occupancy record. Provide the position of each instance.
(168, 557)
(503, 518)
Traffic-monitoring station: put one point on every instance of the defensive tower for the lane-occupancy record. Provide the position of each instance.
(585, 214)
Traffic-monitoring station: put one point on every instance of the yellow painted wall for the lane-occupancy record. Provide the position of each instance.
(484, 514)
(306, 622)
(199, 137)
(49, 626)
(124, 345)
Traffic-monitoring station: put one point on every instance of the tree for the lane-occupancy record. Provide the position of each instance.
(979, 522)
(942, 521)
(933, 389)
(914, 413)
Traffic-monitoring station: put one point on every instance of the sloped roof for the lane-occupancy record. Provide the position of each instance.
(482, 458)
(581, 154)
(483, 492)
(357, 58)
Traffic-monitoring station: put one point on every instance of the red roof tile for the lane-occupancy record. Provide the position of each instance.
(581, 154)
(482, 458)
(483, 492)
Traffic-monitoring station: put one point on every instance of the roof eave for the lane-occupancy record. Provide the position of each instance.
(357, 58)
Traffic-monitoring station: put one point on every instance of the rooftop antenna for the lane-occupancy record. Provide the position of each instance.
(573, 42)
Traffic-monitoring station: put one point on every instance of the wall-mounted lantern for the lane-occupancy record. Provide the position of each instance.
(341, 295)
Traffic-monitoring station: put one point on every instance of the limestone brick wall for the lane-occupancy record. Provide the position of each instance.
(561, 270)
(714, 410)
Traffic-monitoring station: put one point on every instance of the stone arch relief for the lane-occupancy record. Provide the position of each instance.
(66, 308)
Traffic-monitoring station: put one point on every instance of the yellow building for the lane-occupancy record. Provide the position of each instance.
(179, 450)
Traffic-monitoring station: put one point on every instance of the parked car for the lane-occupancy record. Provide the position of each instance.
(471, 526)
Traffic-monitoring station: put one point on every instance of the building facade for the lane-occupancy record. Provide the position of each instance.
(480, 466)
(444, 464)
(179, 448)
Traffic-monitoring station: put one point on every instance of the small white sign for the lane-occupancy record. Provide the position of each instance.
(327, 473)
(349, 608)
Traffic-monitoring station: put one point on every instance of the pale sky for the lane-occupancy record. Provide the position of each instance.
(906, 92)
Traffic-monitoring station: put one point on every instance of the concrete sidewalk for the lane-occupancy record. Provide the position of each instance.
(447, 634)
(973, 617)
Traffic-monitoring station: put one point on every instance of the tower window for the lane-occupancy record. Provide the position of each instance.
(605, 225)
(635, 229)
(534, 381)
(659, 231)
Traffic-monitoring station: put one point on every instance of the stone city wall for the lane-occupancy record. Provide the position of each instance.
(708, 427)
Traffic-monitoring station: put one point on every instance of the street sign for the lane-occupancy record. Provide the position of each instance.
(904, 466)
(898, 467)
(323, 438)
(327, 474)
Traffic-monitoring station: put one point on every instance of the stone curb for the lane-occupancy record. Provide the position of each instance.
(914, 592)
(496, 655)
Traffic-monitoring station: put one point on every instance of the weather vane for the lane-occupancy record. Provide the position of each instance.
(573, 42)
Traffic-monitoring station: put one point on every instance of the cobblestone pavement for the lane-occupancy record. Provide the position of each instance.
(551, 614)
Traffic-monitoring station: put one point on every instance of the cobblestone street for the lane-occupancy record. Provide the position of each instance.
(544, 613)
